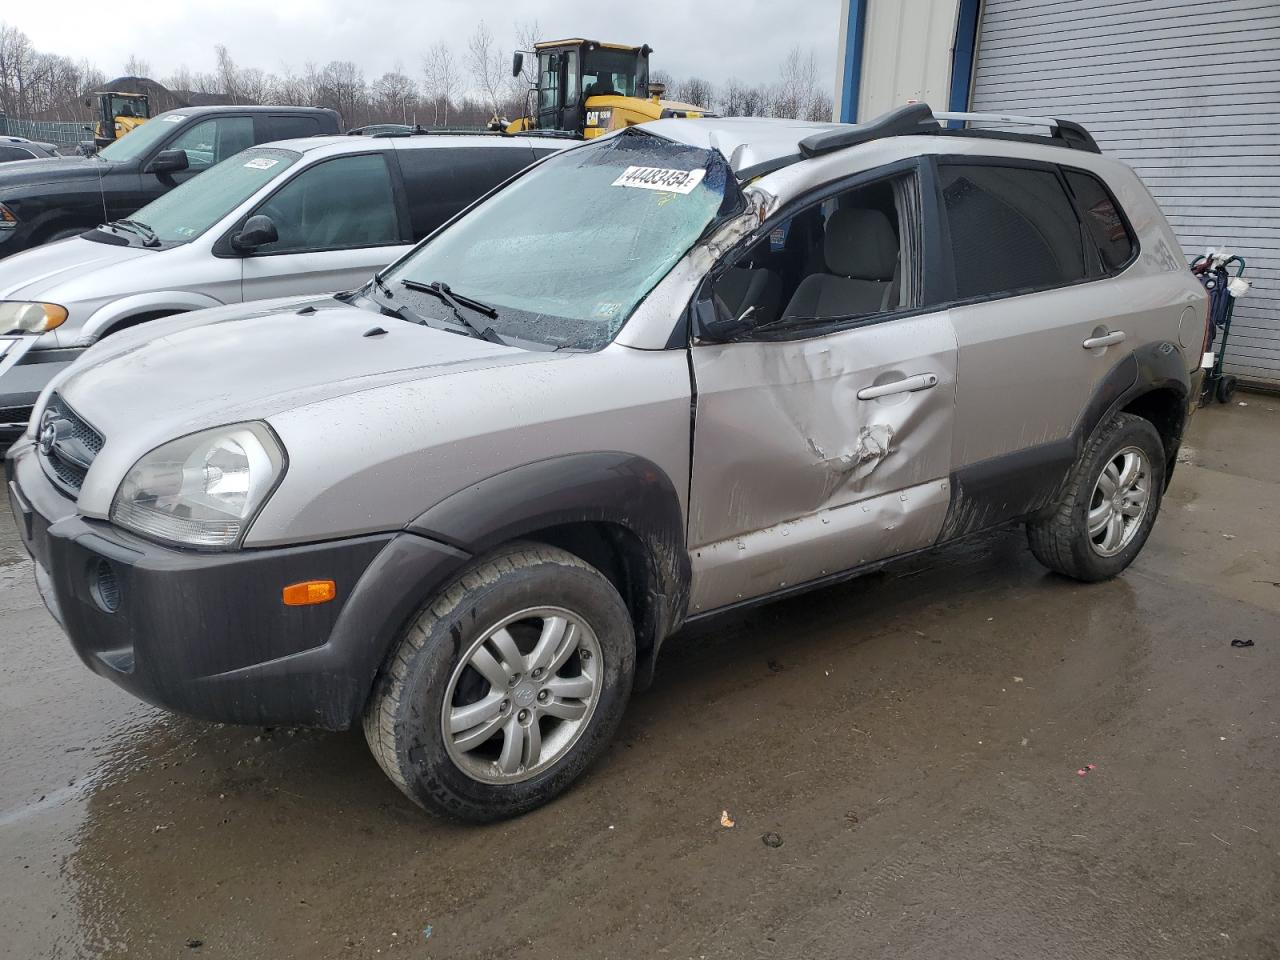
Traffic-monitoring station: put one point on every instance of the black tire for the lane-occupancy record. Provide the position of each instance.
(1226, 389)
(402, 721)
(1060, 540)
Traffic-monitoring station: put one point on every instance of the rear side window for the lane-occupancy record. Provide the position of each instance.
(286, 127)
(1102, 220)
(14, 153)
(1012, 228)
(441, 181)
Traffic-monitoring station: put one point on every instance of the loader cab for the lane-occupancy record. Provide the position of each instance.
(117, 114)
(570, 73)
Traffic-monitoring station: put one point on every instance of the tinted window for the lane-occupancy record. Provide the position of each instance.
(1012, 228)
(442, 180)
(212, 141)
(1102, 219)
(14, 153)
(338, 204)
(193, 207)
(288, 127)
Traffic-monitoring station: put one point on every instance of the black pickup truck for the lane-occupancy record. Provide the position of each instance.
(45, 200)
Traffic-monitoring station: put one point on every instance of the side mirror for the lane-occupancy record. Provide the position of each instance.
(257, 231)
(168, 161)
(517, 63)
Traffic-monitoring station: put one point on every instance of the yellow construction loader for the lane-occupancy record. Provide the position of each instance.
(589, 88)
(118, 113)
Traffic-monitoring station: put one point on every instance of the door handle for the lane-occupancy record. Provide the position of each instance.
(1106, 340)
(908, 385)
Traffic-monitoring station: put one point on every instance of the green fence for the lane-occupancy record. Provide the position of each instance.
(64, 134)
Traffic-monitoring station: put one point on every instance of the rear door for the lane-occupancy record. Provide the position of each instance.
(822, 433)
(1038, 334)
(339, 221)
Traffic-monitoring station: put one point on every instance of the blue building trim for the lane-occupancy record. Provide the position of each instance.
(855, 33)
(962, 55)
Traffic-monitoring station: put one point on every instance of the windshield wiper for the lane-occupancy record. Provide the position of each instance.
(456, 303)
(148, 235)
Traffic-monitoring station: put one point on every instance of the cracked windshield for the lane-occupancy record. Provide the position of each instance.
(533, 251)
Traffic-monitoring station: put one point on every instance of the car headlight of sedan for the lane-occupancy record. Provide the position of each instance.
(202, 490)
(20, 317)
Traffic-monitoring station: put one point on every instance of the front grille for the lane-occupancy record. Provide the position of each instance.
(14, 417)
(67, 452)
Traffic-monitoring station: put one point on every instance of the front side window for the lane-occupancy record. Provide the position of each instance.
(566, 252)
(337, 204)
(548, 81)
(212, 141)
(1102, 219)
(191, 208)
(14, 153)
(1012, 229)
(850, 257)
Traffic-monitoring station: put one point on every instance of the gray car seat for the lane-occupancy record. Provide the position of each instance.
(861, 252)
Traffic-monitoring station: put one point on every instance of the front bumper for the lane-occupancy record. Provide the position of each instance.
(207, 634)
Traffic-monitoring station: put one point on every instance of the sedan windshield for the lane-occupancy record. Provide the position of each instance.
(191, 208)
(567, 252)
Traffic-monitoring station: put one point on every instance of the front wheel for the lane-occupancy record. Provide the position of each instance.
(506, 687)
(1106, 512)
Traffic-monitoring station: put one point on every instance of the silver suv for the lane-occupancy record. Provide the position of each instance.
(694, 365)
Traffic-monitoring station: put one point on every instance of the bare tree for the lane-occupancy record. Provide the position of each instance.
(485, 62)
(135, 66)
(396, 96)
(798, 85)
(695, 91)
(443, 79)
(228, 78)
(180, 79)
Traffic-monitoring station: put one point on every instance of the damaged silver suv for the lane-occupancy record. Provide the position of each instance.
(690, 366)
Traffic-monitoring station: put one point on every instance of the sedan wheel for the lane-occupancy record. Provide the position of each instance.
(1119, 503)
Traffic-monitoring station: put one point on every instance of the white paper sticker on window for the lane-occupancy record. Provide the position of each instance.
(173, 118)
(261, 163)
(1206, 362)
(658, 178)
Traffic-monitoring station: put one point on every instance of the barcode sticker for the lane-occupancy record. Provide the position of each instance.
(660, 178)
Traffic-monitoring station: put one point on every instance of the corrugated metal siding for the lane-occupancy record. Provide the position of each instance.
(1188, 93)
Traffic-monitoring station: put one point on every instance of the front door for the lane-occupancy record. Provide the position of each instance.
(337, 222)
(822, 436)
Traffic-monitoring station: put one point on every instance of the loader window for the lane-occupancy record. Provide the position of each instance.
(567, 251)
(610, 73)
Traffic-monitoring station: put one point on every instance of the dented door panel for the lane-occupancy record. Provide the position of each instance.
(784, 447)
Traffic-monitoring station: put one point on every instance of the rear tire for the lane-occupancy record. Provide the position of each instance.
(556, 639)
(1104, 515)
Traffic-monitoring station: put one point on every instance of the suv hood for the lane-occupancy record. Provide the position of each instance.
(26, 173)
(143, 387)
(36, 273)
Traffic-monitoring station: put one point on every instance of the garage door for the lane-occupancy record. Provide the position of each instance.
(1188, 93)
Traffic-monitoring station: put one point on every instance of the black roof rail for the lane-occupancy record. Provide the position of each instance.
(917, 119)
(909, 121)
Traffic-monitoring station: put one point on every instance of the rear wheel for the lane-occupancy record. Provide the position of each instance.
(506, 687)
(1109, 505)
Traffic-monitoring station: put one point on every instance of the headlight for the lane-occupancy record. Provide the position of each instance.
(18, 317)
(202, 490)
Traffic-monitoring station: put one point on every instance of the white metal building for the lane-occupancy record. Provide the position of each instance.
(1186, 92)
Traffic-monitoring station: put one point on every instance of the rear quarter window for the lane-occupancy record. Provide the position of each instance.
(1106, 227)
(1012, 229)
(441, 181)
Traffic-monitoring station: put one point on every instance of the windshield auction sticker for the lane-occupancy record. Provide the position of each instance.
(261, 163)
(660, 178)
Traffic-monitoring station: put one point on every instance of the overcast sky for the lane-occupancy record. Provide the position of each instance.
(746, 39)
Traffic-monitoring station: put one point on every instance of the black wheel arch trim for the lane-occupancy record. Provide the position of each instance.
(612, 488)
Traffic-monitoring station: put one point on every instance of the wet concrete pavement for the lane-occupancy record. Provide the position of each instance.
(913, 738)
